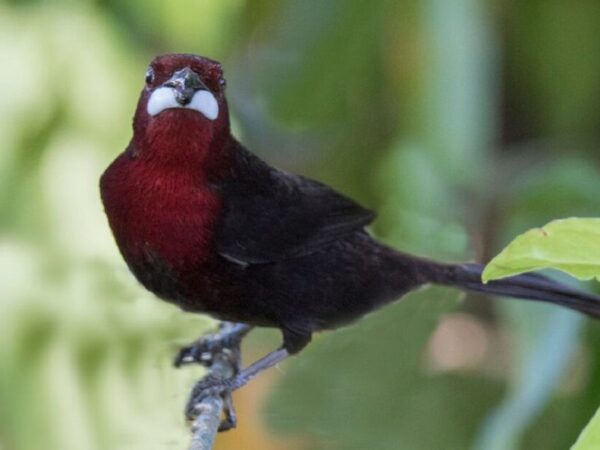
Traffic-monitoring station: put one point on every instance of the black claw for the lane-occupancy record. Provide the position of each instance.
(194, 354)
(226, 425)
(230, 420)
(204, 349)
(200, 352)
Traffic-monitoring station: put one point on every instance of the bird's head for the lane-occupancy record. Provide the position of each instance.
(182, 109)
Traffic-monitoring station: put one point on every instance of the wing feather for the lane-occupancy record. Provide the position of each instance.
(270, 215)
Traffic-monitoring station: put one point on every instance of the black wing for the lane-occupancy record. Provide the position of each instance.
(270, 215)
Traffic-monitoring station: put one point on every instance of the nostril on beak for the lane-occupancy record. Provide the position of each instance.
(184, 96)
(185, 82)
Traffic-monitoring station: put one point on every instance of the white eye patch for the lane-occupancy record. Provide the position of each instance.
(164, 98)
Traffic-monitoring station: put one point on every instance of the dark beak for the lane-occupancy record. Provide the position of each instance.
(186, 83)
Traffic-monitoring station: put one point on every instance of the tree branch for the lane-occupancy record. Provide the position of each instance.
(208, 411)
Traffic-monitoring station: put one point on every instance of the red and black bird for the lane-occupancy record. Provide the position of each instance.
(205, 224)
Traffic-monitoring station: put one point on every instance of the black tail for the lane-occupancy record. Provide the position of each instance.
(528, 286)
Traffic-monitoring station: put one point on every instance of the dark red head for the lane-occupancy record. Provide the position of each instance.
(182, 113)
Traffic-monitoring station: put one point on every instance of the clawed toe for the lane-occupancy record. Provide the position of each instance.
(196, 353)
(220, 353)
(230, 419)
(211, 386)
(204, 349)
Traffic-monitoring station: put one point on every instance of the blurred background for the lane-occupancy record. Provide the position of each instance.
(462, 122)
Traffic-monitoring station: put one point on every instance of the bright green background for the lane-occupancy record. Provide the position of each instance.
(462, 122)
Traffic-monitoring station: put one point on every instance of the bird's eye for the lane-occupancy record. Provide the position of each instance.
(149, 75)
(222, 83)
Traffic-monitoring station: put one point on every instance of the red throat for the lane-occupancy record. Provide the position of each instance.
(182, 140)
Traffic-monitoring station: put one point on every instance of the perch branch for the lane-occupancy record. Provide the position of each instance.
(224, 364)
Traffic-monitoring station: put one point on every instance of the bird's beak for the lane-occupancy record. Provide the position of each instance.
(185, 83)
(184, 90)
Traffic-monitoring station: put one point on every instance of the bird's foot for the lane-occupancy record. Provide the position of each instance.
(212, 386)
(203, 351)
(220, 353)
(224, 378)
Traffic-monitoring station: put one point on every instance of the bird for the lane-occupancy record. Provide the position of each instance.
(205, 224)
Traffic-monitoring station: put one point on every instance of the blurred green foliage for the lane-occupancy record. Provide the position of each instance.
(463, 122)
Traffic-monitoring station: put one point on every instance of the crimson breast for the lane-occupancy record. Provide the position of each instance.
(159, 213)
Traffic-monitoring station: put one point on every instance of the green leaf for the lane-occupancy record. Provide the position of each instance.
(589, 439)
(570, 245)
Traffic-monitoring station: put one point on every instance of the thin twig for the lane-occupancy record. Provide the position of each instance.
(209, 409)
(206, 424)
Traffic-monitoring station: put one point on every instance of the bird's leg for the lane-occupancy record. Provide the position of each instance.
(293, 342)
(211, 386)
(203, 350)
